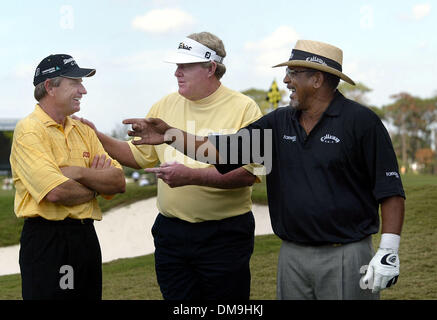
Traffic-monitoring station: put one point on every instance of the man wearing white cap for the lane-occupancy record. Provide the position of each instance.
(204, 231)
(332, 167)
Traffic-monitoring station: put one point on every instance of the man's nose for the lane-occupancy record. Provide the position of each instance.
(82, 89)
(178, 72)
(286, 79)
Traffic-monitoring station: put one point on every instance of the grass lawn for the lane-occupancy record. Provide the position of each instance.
(135, 278)
(10, 226)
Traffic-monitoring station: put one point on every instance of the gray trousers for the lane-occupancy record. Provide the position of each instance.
(324, 272)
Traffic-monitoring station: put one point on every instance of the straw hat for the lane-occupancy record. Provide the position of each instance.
(317, 55)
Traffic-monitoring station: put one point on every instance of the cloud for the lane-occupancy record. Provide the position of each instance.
(420, 11)
(163, 21)
(282, 37)
(417, 12)
(273, 49)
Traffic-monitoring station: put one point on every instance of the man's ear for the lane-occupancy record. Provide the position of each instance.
(49, 87)
(319, 78)
(212, 68)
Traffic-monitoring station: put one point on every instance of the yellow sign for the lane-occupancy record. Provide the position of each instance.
(274, 96)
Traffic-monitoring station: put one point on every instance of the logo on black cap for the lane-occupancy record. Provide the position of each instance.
(60, 65)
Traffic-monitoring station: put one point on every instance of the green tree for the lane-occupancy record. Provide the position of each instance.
(5, 149)
(413, 117)
(260, 96)
(426, 158)
(358, 94)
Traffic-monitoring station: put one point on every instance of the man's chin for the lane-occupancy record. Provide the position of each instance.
(75, 109)
(185, 94)
(294, 104)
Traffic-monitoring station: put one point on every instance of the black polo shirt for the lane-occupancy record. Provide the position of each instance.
(326, 187)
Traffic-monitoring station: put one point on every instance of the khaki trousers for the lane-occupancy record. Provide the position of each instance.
(328, 272)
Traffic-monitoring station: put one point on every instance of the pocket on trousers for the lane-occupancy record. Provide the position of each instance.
(239, 232)
(155, 227)
(240, 226)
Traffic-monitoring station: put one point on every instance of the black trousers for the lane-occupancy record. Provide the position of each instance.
(206, 260)
(60, 260)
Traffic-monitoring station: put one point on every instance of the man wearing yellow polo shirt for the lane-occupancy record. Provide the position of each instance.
(204, 231)
(59, 167)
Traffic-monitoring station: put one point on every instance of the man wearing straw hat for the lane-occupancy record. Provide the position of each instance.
(331, 166)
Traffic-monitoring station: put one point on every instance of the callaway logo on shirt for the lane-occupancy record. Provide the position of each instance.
(329, 138)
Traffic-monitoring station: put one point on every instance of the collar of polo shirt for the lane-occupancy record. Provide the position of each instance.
(191, 51)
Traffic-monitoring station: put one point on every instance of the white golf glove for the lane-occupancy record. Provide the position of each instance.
(383, 269)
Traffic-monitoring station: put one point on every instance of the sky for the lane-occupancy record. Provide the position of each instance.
(390, 46)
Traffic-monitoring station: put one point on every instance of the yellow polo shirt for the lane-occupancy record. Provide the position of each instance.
(40, 147)
(224, 111)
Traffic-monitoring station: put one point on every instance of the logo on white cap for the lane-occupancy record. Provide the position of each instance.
(191, 51)
(184, 46)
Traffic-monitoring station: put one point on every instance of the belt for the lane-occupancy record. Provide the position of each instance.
(66, 221)
(327, 244)
(318, 244)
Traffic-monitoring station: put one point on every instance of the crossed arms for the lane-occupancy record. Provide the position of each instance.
(84, 183)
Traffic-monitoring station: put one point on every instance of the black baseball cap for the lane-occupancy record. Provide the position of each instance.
(60, 65)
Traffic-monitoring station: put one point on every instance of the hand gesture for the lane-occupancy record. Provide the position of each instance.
(173, 173)
(151, 131)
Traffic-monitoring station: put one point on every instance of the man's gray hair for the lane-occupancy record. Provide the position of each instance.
(40, 90)
(214, 43)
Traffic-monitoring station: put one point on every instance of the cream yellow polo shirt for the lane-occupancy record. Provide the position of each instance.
(225, 111)
(40, 147)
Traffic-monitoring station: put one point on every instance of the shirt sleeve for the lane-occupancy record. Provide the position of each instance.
(250, 145)
(98, 149)
(252, 114)
(34, 165)
(145, 155)
(381, 162)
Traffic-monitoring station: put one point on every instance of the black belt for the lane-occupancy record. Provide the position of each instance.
(66, 221)
(318, 244)
(321, 244)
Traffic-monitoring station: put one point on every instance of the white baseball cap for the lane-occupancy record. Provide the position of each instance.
(191, 51)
